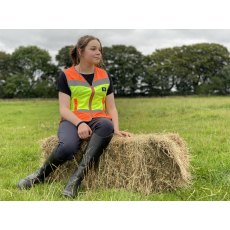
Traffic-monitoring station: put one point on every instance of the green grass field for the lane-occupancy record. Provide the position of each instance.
(204, 122)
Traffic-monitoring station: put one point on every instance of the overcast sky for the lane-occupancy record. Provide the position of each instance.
(145, 41)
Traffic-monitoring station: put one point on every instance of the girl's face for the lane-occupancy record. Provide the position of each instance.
(92, 52)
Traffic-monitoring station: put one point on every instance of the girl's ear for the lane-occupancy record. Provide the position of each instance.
(79, 52)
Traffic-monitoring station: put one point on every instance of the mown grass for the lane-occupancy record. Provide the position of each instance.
(204, 122)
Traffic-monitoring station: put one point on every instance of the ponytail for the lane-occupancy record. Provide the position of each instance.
(74, 55)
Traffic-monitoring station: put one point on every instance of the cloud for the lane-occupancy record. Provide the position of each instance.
(146, 41)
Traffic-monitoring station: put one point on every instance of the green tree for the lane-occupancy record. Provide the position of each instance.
(46, 85)
(34, 64)
(4, 70)
(161, 74)
(4, 63)
(221, 84)
(199, 66)
(15, 86)
(124, 65)
(64, 58)
(193, 69)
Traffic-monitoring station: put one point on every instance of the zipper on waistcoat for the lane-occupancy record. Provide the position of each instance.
(90, 100)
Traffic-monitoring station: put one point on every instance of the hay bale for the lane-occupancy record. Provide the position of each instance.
(144, 163)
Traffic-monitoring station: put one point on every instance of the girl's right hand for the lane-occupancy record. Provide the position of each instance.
(84, 131)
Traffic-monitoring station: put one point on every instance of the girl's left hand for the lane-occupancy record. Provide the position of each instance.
(122, 133)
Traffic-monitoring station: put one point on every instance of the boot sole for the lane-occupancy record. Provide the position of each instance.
(68, 194)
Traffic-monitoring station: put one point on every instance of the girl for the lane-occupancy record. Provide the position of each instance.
(88, 111)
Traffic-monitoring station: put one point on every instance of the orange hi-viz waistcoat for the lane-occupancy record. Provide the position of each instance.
(88, 101)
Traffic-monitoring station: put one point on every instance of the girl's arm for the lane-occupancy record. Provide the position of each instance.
(64, 109)
(84, 130)
(112, 111)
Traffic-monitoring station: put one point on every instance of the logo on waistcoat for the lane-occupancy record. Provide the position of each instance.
(103, 88)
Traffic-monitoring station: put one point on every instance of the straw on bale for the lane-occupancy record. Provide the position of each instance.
(145, 163)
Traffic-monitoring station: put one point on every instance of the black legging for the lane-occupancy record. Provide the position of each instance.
(69, 141)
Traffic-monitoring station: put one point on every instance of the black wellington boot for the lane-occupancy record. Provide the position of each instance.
(51, 163)
(93, 151)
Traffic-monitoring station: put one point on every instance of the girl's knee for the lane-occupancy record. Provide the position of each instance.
(105, 127)
(66, 150)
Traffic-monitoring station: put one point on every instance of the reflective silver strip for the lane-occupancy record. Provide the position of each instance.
(87, 110)
(100, 82)
(83, 110)
(77, 83)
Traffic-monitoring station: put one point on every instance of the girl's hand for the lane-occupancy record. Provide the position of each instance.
(84, 131)
(122, 133)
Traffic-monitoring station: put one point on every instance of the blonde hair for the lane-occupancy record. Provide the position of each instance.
(81, 44)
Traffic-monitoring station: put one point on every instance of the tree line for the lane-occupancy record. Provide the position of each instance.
(198, 69)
